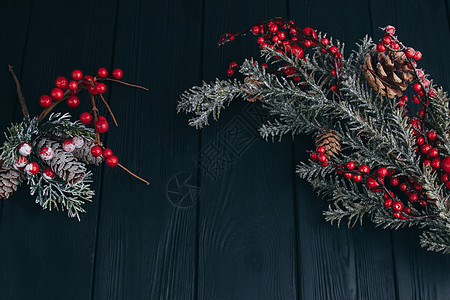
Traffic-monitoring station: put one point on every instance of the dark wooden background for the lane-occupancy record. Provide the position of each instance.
(225, 216)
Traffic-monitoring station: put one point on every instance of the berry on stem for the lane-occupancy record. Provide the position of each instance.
(101, 126)
(45, 101)
(100, 87)
(107, 152)
(32, 168)
(48, 174)
(117, 73)
(77, 75)
(102, 73)
(73, 85)
(57, 94)
(61, 82)
(112, 161)
(96, 151)
(363, 169)
(73, 101)
(86, 118)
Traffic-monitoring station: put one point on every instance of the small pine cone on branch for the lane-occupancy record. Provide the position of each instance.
(10, 179)
(387, 72)
(63, 163)
(330, 141)
(251, 87)
(84, 154)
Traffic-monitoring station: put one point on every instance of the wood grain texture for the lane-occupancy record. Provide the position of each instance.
(246, 226)
(45, 255)
(146, 245)
(337, 263)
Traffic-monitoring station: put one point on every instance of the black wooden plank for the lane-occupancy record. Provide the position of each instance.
(420, 274)
(146, 245)
(337, 263)
(45, 255)
(246, 225)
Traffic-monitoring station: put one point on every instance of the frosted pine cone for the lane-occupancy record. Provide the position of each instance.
(84, 154)
(10, 179)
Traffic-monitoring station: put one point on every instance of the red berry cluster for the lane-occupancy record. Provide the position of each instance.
(285, 37)
(68, 90)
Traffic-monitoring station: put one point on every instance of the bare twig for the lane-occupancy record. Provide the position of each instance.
(19, 92)
(134, 175)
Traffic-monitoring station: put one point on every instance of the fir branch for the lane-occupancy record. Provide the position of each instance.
(60, 125)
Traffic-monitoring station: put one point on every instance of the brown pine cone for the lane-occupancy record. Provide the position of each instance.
(84, 154)
(251, 87)
(10, 179)
(330, 141)
(387, 72)
(63, 163)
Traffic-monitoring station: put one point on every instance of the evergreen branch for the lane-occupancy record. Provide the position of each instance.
(60, 125)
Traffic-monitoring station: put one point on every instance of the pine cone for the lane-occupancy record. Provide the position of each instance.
(63, 163)
(330, 141)
(251, 86)
(10, 179)
(387, 72)
(84, 154)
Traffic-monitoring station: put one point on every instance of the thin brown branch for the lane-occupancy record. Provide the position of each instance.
(109, 109)
(134, 175)
(95, 110)
(126, 83)
(46, 111)
(19, 92)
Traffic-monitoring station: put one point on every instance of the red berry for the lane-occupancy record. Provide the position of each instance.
(397, 206)
(322, 158)
(281, 35)
(313, 156)
(387, 40)
(433, 152)
(348, 175)
(403, 187)
(432, 93)
(57, 94)
(264, 65)
(101, 126)
(420, 140)
(394, 181)
(357, 177)
(86, 118)
(416, 99)
(107, 152)
(426, 83)
(409, 52)
(333, 88)
(102, 73)
(117, 73)
(293, 31)
(425, 148)
(373, 185)
(230, 72)
(275, 38)
(432, 135)
(61, 82)
(112, 161)
(447, 185)
(413, 198)
(255, 30)
(310, 31)
(273, 28)
(333, 72)
(45, 101)
(101, 118)
(350, 165)
(420, 73)
(321, 149)
(96, 151)
(444, 177)
(92, 90)
(395, 45)
(333, 49)
(423, 203)
(48, 174)
(407, 210)
(233, 65)
(397, 215)
(436, 163)
(417, 87)
(73, 101)
(427, 163)
(73, 85)
(32, 168)
(100, 87)
(382, 172)
(381, 47)
(298, 51)
(390, 29)
(363, 169)
(387, 203)
(417, 55)
(445, 164)
(77, 75)
(324, 164)
(260, 40)
(324, 41)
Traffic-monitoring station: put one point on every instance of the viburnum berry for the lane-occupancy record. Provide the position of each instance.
(432, 93)
(413, 197)
(387, 40)
(387, 203)
(322, 158)
(281, 34)
(348, 175)
(45, 101)
(68, 146)
(298, 51)
(61, 82)
(432, 135)
(92, 89)
(107, 152)
(313, 156)
(77, 75)
(32, 168)
(436, 163)
(73, 101)
(260, 40)
(275, 38)
(420, 73)
(233, 65)
(333, 49)
(421, 112)
(102, 118)
(409, 52)
(333, 72)
(382, 172)
(397, 215)
(100, 87)
(372, 184)
(397, 206)
(48, 174)
(96, 151)
(445, 164)
(311, 32)
(390, 29)
(425, 148)
(447, 185)
(403, 187)
(417, 55)
(255, 30)
(46, 153)
(427, 163)
(426, 83)
(394, 181)
(117, 73)
(20, 162)
(86, 118)
(333, 88)
(433, 152)
(356, 177)
(321, 149)
(112, 161)
(101, 126)
(417, 87)
(102, 73)
(57, 94)
(420, 140)
(395, 45)
(273, 28)
(350, 165)
(416, 99)
(324, 164)
(381, 47)
(444, 177)
(363, 169)
(73, 85)
(423, 202)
